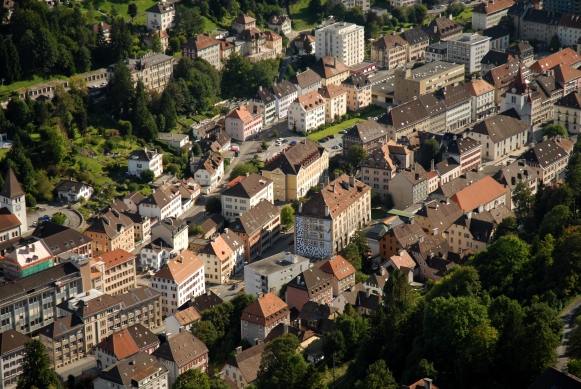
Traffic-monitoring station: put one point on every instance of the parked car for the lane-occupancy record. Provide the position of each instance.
(278, 144)
(343, 132)
(280, 140)
(294, 142)
(291, 242)
(332, 136)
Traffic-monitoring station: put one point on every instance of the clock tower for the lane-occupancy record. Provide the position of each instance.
(12, 198)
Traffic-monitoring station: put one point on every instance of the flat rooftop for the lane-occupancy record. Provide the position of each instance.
(433, 68)
(469, 38)
(276, 262)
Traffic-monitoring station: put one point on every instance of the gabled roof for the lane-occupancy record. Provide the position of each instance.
(217, 247)
(296, 157)
(11, 188)
(244, 19)
(329, 66)
(358, 80)
(570, 20)
(187, 316)
(440, 214)
(514, 173)
(249, 187)
(503, 74)
(241, 113)
(565, 73)
(430, 246)
(542, 16)
(447, 165)
(61, 326)
(499, 127)
(406, 234)
(444, 27)
(572, 100)
(9, 221)
(338, 267)
(415, 36)
(406, 114)
(200, 42)
(119, 344)
(332, 91)
(279, 20)
(495, 32)
(310, 101)
(265, 310)
(307, 78)
(40, 279)
(11, 340)
(566, 56)
(415, 174)
(367, 131)
(421, 384)
(496, 58)
(284, 89)
(182, 349)
(493, 6)
(248, 362)
(478, 87)
(313, 280)
(69, 185)
(181, 267)
(552, 378)
(252, 220)
(143, 155)
(389, 42)
(137, 368)
(161, 8)
(479, 193)
(544, 154)
(468, 178)
(403, 260)
(265, 96)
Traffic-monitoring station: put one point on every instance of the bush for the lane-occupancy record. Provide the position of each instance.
(30, 200)
(59, 218)
(147, 175)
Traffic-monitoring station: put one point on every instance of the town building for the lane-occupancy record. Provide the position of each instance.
(219, 261)
(403, 121)
(27, 257)
(180, 353)
(405, 3)
(182, 321)
(243, 22)
(179, 279)
(118, 271)
(389, 51)
(568, 112)
(110, 231)
(484, 194)
(259, 227)
(155, 70)
(153, 256)
(430, 253)
(493, 59)
(466, 151)
(426, 79)
(12, 197)
(271, 273)
(417, 43)
(173, 232)
(488, 14)
(482, 96)
(349, 4)
(203, 46)
(502, 76)
(326, 222)
(567, 56)
(436, 217)
(210, 171)
(307, 81)
(569, 30)
(500, 135)
(399, 237)
(567, 78)
(244, 123)
(161, 204)
(64, 340)
(311, 285)
(245, 194)
(335, 102)
(370, 135)
(378, 169)
(342, 40)
(60, 239)
(447, 170)
(341, 272)
(443, 28)
(458, 105)
(72, 191)
(331, 70)
(468, 49)
(124, 344)
(242, 368)
(280, 24)
(142, 370)
(260, 317)
(499, 37)
(409, 186)
(177, 141)
(523, 52)
(285, 93)
(11, 353)
(437, 52)
(236, 244)
(307, 112)
(548, 159)
(160, 16)
(303, 41)
(358, 91)
(10, 229)
(265, 101)
(141, 160)
(518, 171)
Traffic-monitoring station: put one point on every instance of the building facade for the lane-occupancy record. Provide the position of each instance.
(260, 317)
(426, 79)
(389, 51)
(488, 14)
(118, 270)
(245, 194)
(244, 123)
(271, 273)
(141, 160)
(342, 40)
(307, 112)
(468, 49)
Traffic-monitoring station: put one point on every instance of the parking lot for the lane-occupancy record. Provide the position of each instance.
(334, 146)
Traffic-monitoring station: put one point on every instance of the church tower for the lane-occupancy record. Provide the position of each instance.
(12, 198)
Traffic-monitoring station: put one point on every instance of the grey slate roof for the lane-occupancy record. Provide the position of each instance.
(499, 127)
(252, 220)
(181, 349)
(11, 340)
(135, 368)
(248, 187)
(415, 36)
(544, 153)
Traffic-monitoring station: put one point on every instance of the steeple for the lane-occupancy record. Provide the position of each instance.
(11, 188)
(520, 83)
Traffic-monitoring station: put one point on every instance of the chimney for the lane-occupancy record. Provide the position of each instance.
(300, 207)
(421, 239)
(411, 220)
(450, 16)
(480, 208)
(260, 295)
(326, 210)
(299, 279)
(469, 215)
(435, 231)
(326, 180)
(427, 383)
(381, 271)
(432, 166)
(238, 350)
(285, 328)
(447, 200)
(367, 292)
(352, 181)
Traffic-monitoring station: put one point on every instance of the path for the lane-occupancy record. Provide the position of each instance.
(568, 317)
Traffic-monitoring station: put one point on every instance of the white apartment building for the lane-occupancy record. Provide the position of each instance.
(153, 256)
(482, 96)
(245, 194)
(174, 232)
(210, 171)
(307, 112)
(345, 41)
(271, 273)
(568, 112)
(569, 31)
(179, 280)
(141, 160)
(363, 4)
(468, 48)
(437, 52)
(11, 356)
(285, 93)
(160, 16)
(161, 204)
(489, 12)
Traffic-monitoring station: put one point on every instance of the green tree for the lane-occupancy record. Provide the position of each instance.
(334, 346)
(189, 20)
(197, 150)
(429, 151)
(316, 8)
(206, 332)
(281, 365)
(168, 110)
(378, 377)
(195, 230)
(566, 266)
(459, 282)
(43, 188)
(241, 169)
(421, 13)
(307, 47)
(121, 91)
(555, 43)
(507, 226)
(121, 39)
(555, 221)
(59, 218)
(143, 121)
(339, 11)
(36, 368)
(399, 14)
(83, 60)
(56, 144)
(147, 175)
(351, 253)
(47, 48)
(17, 158)
(507, 22)
(132, 10)
(192, 379)
(553, 130)
(213, 205)
(9, 62)
(523, 201)
(287, 215)
(356, 155)
(574, 367)
(18, 112)
(455, 9)
(156, 46)
(125, 127)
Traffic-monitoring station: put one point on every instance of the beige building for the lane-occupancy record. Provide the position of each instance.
(410, 83)
(335, 102)
(341, 272)
(389, 51)
(219, 261)
(203, 46)
(488, 13)
(111, 231)
(363, 4)
(418, 42)
(326, 222)
(345, 41)
(306, 113)
(358, 91)
(154, 70)
(500, 135)
(295, 171)
(568, 112)
(409, 186)
(243, 22)
(280, 24)
(118, 270)
(378, 169)
(549, 159)
(331, 70)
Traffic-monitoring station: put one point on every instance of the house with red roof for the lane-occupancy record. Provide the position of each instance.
(342, 273)
(260, 317)
(244, 122)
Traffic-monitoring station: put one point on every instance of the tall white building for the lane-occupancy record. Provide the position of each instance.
(306, 112)
(342, 40)
(468, 48)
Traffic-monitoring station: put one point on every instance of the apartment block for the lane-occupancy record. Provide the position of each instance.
(342, 40)
(111, 231)
(244, 123)
(488, 13)
(568, 112)
(203, 46)
(11, 355)
(426, 79)
(260, 317)
(307, 112)
(118, 270)
(468, 49)
(141, 371)
(358, 88)
(389, 51)
(271, 273)
(335, 102)
(145, 159)
(154, 70)
(245, 194)
(160, 16)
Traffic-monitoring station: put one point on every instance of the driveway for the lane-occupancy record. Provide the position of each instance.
(73, 220)
(568, 317)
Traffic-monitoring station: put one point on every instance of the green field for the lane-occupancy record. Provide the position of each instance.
(210, 25)
(465, 17)
(105, 6)
(5, 90)
(299, 13)
(335, 129)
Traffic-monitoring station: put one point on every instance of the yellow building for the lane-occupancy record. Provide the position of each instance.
(297, 169)
(410, 83)
(335, 101)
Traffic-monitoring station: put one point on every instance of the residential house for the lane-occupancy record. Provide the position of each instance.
(124, 344)
(553, 377)
(568, 78)
(342, 273)
(335, 102)
(302, 41)
(104, 28)
(118, 271)
(73, 190)
(59, 239)
(110, 231)
(331, 70)
(488, 14)
(430, 253)
(179, 279)
(285, 93)
(219, 261)
(245, 194)
(160, 16)
(499, 37)
(203, 46)
(182, 320)
(447, 170)
(243, 22)
(417, 43)
(163, 37)
(409, 186)
(139, 371)
(482, 96)
(326, 222)
(210, 171)
(177, 141)
(349, 4)
(445, 191)
(242, 368)
(426, 79)
(424, 383)
(265, 101)
(502, 76)
(273, 42)
(389, 51)
(207, 129)
(12, 354)
(437, 216)
(280, 24)
(523, 52)
(518, 171)
(236, 244)
(548, 159)
(260, 317)
(307, 112)
(540, 25)
(402, 122)
(271, 273)
(173, 232)
(242, 123)
(378, 169)
(311, 285)
(370, 135)
(567, 56)
(212, 224)
(400, 237)
(457, 101)
(568, 112)
(469, 49)
(307, 81)
(500, 135)
(403, 262)
(141, 160)
(466, 151)
(161, 204)
(64, 334)
(569, 30)
(437, 52)
(358, 91)
(342, 40)
(141, 224)
(484, 194)
(443, 28)
(317, 317)
(203, 302)
(259, 227)
(493, 59)
(154, 255)
(180, 353)
(155, 70)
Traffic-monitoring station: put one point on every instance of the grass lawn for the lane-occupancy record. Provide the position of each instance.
(373, 113)
(465, 17)
(210, 25)
(299, 13)
(6, 89)
(335, 129)
(378, 214)
(121, 6)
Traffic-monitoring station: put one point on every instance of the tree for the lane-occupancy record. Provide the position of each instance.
(59, 218)
(555, 43)
(189, 20)
(429, 151)
(281, 365)
(197, 149)
(132, 10)
(213, 205)
(507, 22)
(216, 383)
(147, 175)
(56, 144)
(555, 221)
(36, 368)
(195, 230)
(507, 226)
(356, 155)
(553, 130)
(241, 169)
(121, 91)
(287, 217)
(121, 40)
(168, 110)
(459, 282)
(307, 47)
(315, 8)
(566, 266)
(339, 11)
(334, 346)
(523, 201)
(192, 379)
(125, 127)
(17, 158)
(156, 46)
(235, 76)
(143, 121)
(351, 253)
(455, 9)
(421, 13)
(399, 14)
(46, 49)
(206, 332)
(378, 377)
(9, 62)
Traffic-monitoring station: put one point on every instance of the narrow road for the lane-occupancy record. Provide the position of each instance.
(568, 317)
